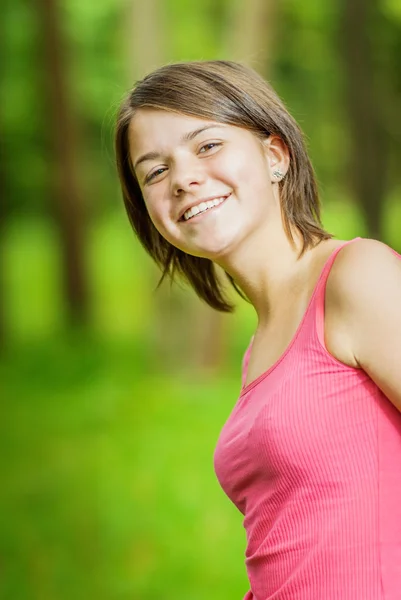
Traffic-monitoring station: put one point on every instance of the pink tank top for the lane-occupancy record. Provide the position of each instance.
(311, 455)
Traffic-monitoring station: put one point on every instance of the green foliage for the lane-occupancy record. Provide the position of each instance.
(306, 72)
(108, 489)
(198, 36)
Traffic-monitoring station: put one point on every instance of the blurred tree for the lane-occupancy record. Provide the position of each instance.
(145, 51)
(200, 345)
(364, 102)
(63, 164)
(3, 225)
(249, 33)
(247, 36)
(4, 201)
(145, 37)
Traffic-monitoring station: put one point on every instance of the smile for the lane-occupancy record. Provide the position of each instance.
(203, 207)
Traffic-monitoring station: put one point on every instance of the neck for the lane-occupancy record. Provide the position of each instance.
(268, 269)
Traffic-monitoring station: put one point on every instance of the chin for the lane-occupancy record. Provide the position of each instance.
(214, 244)
(215, 253)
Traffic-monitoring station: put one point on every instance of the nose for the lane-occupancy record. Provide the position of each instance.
(187, 176)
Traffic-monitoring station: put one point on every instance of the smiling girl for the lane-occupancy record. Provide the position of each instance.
(214, 171)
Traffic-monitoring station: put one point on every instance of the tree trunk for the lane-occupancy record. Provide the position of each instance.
(249, 33)
(368, 160)
(67, 190)
(145, 37)
(4, 200)
(182, 322)
(248, 37)
(3, 225)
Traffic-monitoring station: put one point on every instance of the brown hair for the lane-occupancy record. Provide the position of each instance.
(230, 93)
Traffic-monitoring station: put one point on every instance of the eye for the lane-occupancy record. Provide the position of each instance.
(208, 146)
(155, 173)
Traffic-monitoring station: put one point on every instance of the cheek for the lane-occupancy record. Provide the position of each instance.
(247, 168)
(154, 206)
(159, 215)
(157, 222)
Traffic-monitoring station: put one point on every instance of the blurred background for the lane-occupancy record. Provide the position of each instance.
(113, 394)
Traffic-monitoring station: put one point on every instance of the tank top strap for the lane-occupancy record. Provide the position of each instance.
(245, 361)
(320, 289)
(316, 305)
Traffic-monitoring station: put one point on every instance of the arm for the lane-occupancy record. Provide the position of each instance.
(366, 295)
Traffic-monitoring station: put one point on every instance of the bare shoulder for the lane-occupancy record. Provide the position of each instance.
(359, 268)
(365, 279)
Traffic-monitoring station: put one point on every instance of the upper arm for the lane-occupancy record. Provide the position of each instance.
(366, 296)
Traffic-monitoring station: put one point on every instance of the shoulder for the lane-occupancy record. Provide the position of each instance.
(365, 296)
(364, 269)
(364, 293)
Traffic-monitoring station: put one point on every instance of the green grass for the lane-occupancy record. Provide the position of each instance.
(108, 489)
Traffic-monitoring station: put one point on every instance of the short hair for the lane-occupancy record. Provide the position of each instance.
(230, 93)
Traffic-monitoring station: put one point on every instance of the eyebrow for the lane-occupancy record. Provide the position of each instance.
(185, 138)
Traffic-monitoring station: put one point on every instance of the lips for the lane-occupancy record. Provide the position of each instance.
(201, 206)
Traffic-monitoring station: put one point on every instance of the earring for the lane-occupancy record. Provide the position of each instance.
(278, 174)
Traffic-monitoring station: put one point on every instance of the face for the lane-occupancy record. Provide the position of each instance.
(206, 185)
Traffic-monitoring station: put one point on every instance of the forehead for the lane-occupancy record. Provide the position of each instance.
(149, 117)
(151, 129)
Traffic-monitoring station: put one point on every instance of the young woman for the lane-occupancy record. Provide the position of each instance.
(214, 171)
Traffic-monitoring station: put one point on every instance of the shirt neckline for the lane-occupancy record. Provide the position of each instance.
(252, 384)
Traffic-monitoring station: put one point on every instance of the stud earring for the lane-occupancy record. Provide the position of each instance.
(277, 174)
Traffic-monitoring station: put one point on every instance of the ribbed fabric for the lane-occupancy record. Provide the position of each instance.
(311, 455)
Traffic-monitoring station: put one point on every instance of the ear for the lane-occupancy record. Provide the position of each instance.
(278, 157)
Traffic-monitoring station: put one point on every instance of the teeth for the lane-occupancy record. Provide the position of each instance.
(191, 212)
